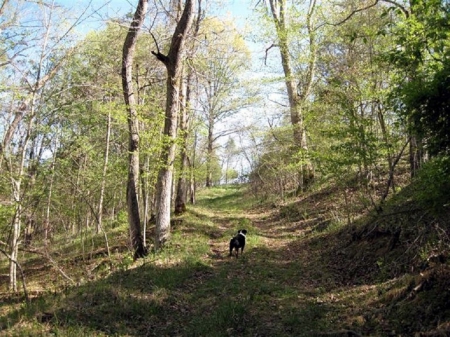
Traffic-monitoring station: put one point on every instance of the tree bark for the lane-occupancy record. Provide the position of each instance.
(192, 180)
(180, 200)
(174, 64)
(415, 154)
(133, 124)
(99, 227)
(105, 169)
(49, 198)
(209, 152)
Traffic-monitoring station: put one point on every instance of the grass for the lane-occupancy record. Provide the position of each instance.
(302, 274)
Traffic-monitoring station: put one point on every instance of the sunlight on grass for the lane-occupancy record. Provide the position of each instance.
(226, 198)
(183, 248)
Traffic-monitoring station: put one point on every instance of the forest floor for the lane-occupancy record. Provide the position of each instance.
(311, 267)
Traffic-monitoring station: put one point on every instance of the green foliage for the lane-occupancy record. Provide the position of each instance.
(422, 35)
(6, 216)
(422, 51)
(433, 184)
(126, 262)
(122, 218)
(427, 102)
(276, 169)
(215, 169)
(230, 175)
(222, 57)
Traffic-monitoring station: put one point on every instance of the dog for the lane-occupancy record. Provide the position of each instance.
(238, 242)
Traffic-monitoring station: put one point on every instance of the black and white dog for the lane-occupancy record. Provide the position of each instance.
(238, 242)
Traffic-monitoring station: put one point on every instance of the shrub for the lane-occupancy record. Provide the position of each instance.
(433, 184)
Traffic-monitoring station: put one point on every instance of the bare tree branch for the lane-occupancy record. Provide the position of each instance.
(2, 8)
(349, 16)
(52, 261)
(163, 58)
(267, 51)
(396, 4)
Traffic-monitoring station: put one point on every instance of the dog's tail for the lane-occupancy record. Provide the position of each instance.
(231, 247)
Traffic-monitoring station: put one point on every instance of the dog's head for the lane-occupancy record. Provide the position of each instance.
(242, 231)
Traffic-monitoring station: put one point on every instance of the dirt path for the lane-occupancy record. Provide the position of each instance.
(281, 276)
(266, 231)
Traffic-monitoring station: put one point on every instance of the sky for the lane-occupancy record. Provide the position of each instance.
(239, 9)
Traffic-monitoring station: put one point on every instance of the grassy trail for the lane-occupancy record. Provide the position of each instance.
(271, 290)
(304, 272)
(278, 287)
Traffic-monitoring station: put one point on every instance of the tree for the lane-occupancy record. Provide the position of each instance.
(230, 152)
(222, 58)
(422, 52)
(34, 57)
(133, 124)
(298, 84)
(91, 92)
(185, 121)
(355, 129)
(173, 62)
(352, 107)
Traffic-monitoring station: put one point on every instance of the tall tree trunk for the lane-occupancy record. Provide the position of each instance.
(186, 182)
(174, 64)
(17, 194)
(146, 195)
(105, 169)
(10, 131)
(14, 242)
(133, 125)
(415, 154)
(99, 227)
(180, 200)
(192, 182)
(49, 198)
(298, 91)
(209, 152)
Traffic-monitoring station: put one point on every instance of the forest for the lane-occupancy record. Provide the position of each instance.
(137, 138)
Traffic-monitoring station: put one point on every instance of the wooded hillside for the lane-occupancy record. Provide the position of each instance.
(134, 146)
